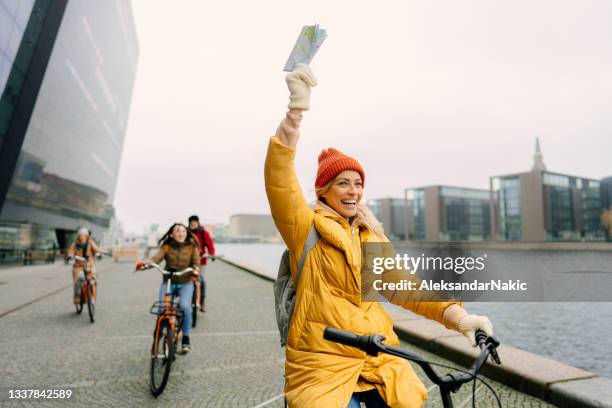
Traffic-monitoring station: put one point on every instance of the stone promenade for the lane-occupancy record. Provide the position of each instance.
(236, 359)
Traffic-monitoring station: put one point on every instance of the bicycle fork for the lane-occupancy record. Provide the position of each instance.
(171, 319)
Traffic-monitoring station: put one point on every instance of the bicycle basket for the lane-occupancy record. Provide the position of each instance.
(166, 309)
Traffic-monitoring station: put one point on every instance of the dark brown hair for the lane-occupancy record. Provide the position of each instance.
(167, 238)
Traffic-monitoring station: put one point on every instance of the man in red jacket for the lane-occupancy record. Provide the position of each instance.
(207, 248)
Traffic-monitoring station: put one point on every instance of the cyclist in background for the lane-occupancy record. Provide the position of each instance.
(85, 247)
(207, 248)
(179, 248)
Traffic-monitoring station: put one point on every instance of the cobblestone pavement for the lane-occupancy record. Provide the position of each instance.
(236, 359)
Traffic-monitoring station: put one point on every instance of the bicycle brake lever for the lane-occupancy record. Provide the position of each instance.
(494, 356)
(492, 343)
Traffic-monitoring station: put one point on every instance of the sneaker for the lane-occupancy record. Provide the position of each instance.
(185, 346)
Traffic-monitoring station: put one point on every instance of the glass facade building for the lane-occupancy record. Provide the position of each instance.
(546, 206)
(443, 213)
(606, 204)
(63, 149)
(14, 21)
(606, 193)
(392, 213)
(465, 214)
(507, 192)
(417, 197)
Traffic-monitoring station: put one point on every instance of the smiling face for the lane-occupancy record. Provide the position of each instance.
(179, 234)
(345, 193)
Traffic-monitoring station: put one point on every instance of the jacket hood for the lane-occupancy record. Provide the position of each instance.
(364, 219)
(321, 207)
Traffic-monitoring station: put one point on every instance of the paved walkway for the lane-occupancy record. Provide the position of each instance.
(236, 360)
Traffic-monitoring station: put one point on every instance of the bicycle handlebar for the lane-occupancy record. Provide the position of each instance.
(372, 345)
(170, 273)
(76, 258)
(80, 258)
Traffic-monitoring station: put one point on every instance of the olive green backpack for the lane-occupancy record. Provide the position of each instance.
(285, 290)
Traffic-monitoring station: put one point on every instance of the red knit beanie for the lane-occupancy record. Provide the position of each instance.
(333, 162)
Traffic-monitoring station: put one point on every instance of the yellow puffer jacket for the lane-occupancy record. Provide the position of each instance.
(320, 373)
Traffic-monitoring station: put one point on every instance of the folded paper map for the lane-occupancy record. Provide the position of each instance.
(306, 46)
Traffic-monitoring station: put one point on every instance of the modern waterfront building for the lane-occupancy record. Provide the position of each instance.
(254, 226)
(219, 232)
(606, 204)
(445, 213)
(606, 193)
(67, 70)
(392, 213)
(541, 205)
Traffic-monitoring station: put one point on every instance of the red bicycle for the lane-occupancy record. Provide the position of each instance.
(85, 287)
(167, 331)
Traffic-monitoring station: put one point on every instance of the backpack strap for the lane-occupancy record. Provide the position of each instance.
(311, 241)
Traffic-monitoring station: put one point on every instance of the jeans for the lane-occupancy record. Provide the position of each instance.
(354, 402)
(185, 292)
(202, 288)
(371, 398)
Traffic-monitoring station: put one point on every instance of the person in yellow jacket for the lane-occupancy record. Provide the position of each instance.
(320, 373)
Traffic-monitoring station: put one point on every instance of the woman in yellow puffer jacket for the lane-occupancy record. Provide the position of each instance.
(320, 373)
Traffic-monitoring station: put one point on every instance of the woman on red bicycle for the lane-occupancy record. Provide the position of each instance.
(179, 248)
(320, 373)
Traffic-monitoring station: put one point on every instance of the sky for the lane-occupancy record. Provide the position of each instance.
(419, 92)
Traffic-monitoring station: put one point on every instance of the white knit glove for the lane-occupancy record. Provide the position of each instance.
(299, 83)
(470, 323)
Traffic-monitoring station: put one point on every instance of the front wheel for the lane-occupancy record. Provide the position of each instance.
(78, 292)
(194, 309)
(162, 355)
(79, 307)
(91, 307)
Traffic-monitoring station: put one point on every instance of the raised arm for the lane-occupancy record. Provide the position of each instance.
(299, 83)
(290, 211)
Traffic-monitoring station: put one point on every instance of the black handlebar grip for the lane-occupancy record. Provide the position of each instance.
(342, 337)
(481, 337)
(483, 340)
(371, 344)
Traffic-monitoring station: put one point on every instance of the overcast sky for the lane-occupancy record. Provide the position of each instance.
(419, 92)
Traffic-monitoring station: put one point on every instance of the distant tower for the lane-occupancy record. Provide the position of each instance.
(538, 159)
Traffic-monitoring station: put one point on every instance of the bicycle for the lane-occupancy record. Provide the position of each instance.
(86, 287)
(194, 305)
(201, 287)
(167, 331)
(372, 345)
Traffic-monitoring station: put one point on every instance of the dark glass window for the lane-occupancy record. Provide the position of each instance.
(509, 199)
